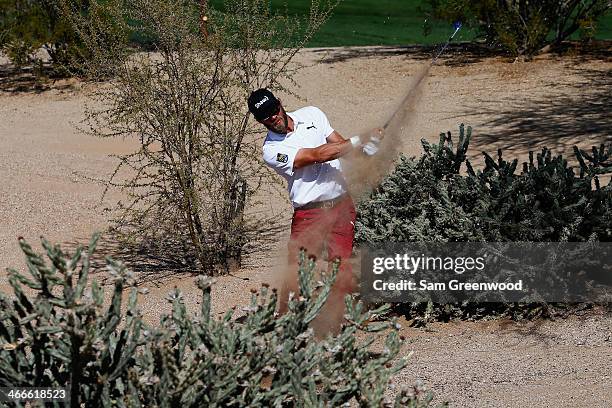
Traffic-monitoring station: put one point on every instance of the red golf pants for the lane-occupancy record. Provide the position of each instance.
(333, 228)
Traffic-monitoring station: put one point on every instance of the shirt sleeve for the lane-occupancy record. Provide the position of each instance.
(324, 122)
(280, 157)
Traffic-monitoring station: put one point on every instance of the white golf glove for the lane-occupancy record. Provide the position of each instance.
(371, 148)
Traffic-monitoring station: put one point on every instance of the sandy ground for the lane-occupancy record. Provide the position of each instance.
(46, 166)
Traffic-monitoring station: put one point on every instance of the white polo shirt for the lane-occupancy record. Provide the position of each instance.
(315, 182)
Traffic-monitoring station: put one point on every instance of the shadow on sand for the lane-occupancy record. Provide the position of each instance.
(462, 53)
(458, 54)
(154, 263)
(15, 80)
(570, 114)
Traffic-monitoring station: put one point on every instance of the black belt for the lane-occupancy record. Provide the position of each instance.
(324, 204)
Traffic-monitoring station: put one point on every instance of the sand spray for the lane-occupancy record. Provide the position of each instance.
(363, 174)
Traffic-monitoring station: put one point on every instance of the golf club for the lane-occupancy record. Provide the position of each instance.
(457, 26)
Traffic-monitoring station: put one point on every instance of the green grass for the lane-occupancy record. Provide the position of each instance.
(377, 22)
(604, 27)
(371, 22)
(386, 22)
(345, 29)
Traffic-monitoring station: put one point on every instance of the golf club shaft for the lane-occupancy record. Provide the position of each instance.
(433, 61)
(445, 45)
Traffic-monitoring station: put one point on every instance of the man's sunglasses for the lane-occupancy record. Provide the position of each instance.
(272, 118)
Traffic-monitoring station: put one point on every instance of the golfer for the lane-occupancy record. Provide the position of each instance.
(302, 147)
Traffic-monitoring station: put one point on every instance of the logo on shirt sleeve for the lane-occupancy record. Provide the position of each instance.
(282, 158)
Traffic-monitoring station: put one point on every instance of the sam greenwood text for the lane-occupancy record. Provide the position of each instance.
(453, 285)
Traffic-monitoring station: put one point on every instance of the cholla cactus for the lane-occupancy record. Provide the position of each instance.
(445, 159)
(430, 200)
(65, 336)
(62, 337)
(267, 360)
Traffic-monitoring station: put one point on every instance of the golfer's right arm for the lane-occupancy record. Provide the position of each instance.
(324, 153)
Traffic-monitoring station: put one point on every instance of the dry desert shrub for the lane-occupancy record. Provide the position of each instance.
(197, 166)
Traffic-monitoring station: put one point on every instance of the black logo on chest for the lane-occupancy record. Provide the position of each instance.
(282, 158)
